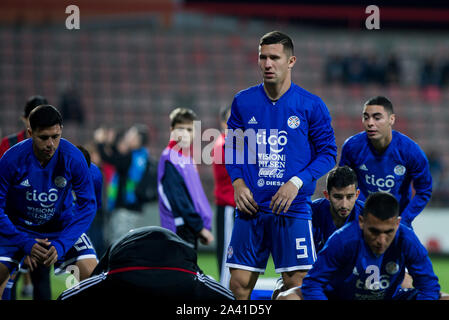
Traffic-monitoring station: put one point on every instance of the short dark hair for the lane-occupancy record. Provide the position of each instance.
(275, 37)
(382, 205)
(340, 177)
(33, 102)
(86, 154)
(44, 116)
(182, 115)
(380, 101)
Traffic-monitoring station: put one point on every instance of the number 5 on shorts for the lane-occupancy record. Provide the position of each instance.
(301, 246)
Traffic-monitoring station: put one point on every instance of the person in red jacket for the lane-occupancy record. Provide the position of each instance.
(12, 139)
(38, 280)
(224, 199)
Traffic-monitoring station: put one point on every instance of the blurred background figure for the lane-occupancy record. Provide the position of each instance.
(129, 156)
(224, 199)
(36, 282)
(70, 104)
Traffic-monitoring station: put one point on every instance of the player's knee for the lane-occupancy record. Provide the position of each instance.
(238, 285)
(4, 273)
(241, 283)
(293, 279)
(4, 276)
(444, 296)
(86, 267)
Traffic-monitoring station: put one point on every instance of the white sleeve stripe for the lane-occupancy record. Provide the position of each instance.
(211, 283)
(163, 197)
(86, 283)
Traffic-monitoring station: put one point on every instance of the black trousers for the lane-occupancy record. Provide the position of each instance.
(224, 224)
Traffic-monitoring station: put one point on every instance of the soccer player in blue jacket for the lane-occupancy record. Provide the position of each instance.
(280, 142)
(338, 207)
(387, 160)
(38, 219)
(366, 259)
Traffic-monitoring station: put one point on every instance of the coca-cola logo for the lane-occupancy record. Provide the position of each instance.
(271, 172)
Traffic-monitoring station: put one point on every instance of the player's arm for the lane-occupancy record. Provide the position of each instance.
(234, 144)
(234, 159)
(322, 138)
(180, 201)
(329, 261)
(85, 205)
(345, 158)
(420, 268)
(422, 183)
(323, 143)
(7, 228)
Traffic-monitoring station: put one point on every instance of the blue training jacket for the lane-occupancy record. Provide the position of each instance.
(347, 269)
(392, 171)
(37, 202)
(270, 142)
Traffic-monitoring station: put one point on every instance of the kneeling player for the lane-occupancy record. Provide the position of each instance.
(366, 259)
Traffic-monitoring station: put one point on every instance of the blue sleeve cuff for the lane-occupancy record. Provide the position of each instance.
(234, 172)
(305, 177)
(28, 246)
(59, 248)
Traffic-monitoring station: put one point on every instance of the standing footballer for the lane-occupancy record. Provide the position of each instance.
(285, 136)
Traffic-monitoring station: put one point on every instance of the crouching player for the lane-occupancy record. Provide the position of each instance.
(366, 259)
(38, 220)
(338, 207)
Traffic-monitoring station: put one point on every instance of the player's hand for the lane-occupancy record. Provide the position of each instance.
(51, 257)
(30, 262)
(244, 198)
(39, 250)
(283, 198)
(206, 237)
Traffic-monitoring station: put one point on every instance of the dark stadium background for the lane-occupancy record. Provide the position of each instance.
(135, 60)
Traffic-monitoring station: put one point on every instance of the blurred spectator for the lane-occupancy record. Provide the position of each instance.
(96, 230)
(183, 205)
(374, 70)
(12, 139)
(445, 74)
(224, 199)
(436, 168)
(392, 70)
(355, 69)
(70, 104)
(129, 156)
(430, 75)
(334, 69)
(363, 69)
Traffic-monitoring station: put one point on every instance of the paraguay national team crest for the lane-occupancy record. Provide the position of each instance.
(392, 267)
(60, 182)
(293, 122)
(399, 170)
